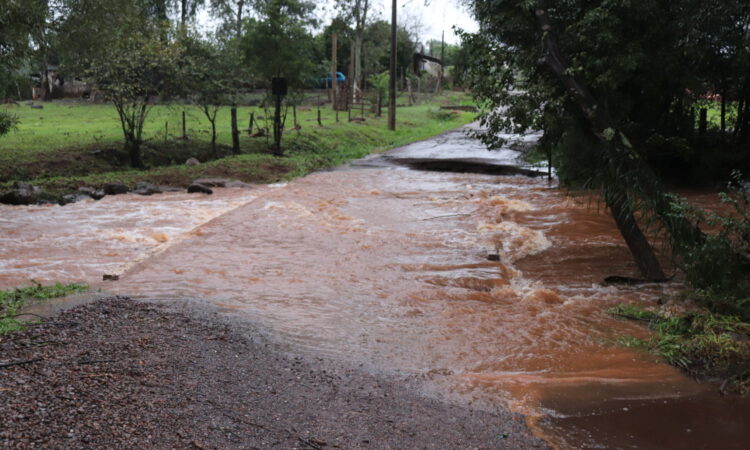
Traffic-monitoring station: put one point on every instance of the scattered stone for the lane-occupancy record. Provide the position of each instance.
(96, 194)
(72, 198)
(199, 188)
(192, 162)
(144, 188)
(115, 189)
(23, 194)
(212, 182)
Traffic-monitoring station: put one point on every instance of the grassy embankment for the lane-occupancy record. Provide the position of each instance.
(67, 144)
(706, 345)
(13, 300)
(712, 339)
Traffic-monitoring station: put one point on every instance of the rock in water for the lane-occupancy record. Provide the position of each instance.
(72, 198)
(199, 188)
(115, 189)
(143, 188)
(23, 194)
(96, 194)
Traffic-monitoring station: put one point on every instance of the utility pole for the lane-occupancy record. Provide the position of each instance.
(392, 87)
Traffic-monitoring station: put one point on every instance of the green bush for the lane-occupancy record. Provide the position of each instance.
(718, 266)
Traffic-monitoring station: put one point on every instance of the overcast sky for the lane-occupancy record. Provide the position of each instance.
(431, 18)
(436, 16)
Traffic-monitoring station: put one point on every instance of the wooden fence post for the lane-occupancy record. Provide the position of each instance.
(235, 132)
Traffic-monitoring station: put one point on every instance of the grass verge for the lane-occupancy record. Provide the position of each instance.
(65, 146)
(707, 345)
(13, 300)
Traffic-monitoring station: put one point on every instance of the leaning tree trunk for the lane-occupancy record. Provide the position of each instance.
(614, 143)
(638, 244)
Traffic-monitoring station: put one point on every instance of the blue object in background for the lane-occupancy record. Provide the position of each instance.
(327, 81)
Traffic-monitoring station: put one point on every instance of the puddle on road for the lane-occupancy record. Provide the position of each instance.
(388, 268)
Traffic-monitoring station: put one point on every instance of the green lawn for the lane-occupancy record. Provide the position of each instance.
(68, 144)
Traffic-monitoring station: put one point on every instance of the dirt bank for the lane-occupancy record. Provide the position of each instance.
(120, 373)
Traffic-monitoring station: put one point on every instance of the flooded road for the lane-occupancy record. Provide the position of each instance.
(387, 267)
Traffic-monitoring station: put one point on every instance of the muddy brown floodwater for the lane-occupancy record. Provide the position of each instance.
(387, 268)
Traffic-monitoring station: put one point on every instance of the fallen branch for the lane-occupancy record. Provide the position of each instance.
(317, 445)
(20, 363)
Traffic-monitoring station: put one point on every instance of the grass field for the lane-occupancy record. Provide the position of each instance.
(70, 144)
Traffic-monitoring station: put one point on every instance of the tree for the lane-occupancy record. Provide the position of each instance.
(138, 68)
(232, 13)
(208, 73)
(606, 86)
(279, 45)
(42, 36)
(356, 11)
(377, 48)
(16, 25)
(87, 30)
(188, 9)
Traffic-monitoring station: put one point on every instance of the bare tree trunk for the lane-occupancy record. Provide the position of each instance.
(213, 137)
(723, 111)
(637, 242)
(240, 6)
(183, 13)
(605, 131)
(134, 151)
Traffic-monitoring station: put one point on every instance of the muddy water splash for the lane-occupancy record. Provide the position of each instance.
(388, 268)
(85, 240)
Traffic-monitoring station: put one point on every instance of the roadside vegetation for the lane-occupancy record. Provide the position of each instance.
(12, 301)
(712, 340)
(709, 346)
(67, 145)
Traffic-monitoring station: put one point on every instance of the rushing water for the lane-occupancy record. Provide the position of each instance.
(388, 267)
